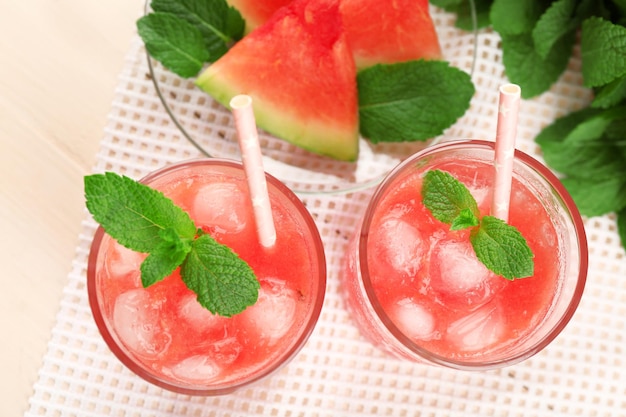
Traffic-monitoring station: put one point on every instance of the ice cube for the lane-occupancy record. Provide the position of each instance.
(400, 244)
(482, 195)
(122, 263)
(274, 313)
(198, 368)
(413, 319)
(212, 359)
(137, 323)
(478, 330)
(459, 277)
(221, 206)
(225, 351)
(197, 317)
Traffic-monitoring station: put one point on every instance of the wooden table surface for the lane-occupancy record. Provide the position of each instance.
(60, 62)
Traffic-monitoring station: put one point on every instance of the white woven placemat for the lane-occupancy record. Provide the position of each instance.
(583, 373)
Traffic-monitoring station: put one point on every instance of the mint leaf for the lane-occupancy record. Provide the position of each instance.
(448, 5)
(174, 42)
(585, 149)
(526, 67)
(411, 101)
(447, 198)
(514, 17)
(465, 219)
(621, 226)
(589, 148)
(223, 282)
(563, 126)
(219, 24)
(603, 51)
(463, 10)
(610, 94)
(165, 257)
(502, 249)
(592, 159)
(559, 20)
(597, 196)
(133, 213)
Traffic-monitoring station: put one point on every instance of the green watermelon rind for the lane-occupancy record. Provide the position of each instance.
(319, 137)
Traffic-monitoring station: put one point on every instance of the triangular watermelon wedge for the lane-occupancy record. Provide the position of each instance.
(301, 76)
(257, 12)
(378, 31)
(386, 32)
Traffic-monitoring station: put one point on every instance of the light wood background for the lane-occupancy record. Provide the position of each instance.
(59, 61)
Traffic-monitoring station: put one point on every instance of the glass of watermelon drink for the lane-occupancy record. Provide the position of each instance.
(417, 290)
(164, 335)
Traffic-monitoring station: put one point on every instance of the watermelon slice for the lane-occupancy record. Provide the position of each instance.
(257, 12)
(386, 32)
(378, 31)
(301, 76)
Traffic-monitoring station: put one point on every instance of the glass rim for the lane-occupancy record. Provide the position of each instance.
(277, 362)
(573, 215)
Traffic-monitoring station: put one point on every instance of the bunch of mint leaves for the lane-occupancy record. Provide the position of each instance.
(144, 220)
(587, 147)
(498, 245)
(409, 101)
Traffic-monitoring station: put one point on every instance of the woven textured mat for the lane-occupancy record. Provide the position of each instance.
(582, 373)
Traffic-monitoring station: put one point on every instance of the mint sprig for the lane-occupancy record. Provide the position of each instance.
(183, 35)
(498, 245)
(145, 220)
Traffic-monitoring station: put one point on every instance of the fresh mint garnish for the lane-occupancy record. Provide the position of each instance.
(526, 67)
(498, 245)
(554, 24)
(144, 220)
(447, 198)
(603, 48)
(611, 94)
(588, 148)
(463, 10)
(537, 39)
(465, 219)
(134, 214)
(220, 24)
(221, 280)
(183, 35)
(166, 256)
(513, 17)
(411, 101)
(174, 42)
(621, 225)
(502, 248)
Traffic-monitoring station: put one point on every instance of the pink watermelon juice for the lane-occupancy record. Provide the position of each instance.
(164, 335)
(417, 289)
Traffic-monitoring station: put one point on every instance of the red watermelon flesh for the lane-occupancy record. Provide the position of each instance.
(378, 31)
(257, 12)
(301, 75)
(389, 31)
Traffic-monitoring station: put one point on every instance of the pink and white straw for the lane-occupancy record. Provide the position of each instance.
(506, 133)
(245, 124)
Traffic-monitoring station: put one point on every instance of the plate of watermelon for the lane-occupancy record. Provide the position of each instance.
(325, 76)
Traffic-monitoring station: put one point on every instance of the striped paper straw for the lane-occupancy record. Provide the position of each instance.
(505, 149)
(252, 160)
